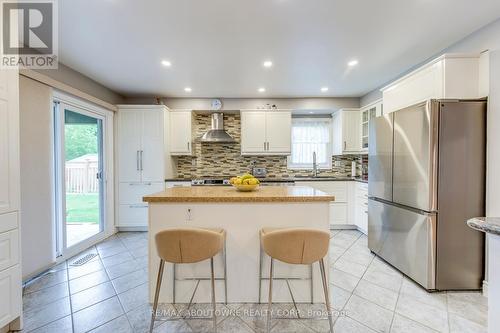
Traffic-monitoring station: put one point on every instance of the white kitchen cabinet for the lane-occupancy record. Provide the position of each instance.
(369, 112)
(361, 206)
(346, 132)
(10, 271)
(144, 160)
(181, 133)
(266, 132)
(340, 209)
(451, 76)
(142, 143)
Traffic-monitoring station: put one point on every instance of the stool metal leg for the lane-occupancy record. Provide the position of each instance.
(261, 258)
(311, 282)
(270, 301)
(213, 293)
(157, 294)
(225, 272)
(327, 296)
(173, 286)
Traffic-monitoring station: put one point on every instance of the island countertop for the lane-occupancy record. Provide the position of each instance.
(230, 194)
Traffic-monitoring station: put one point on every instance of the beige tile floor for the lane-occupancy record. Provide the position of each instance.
(109, 294)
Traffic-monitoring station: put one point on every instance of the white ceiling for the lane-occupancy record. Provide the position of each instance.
(217, 47)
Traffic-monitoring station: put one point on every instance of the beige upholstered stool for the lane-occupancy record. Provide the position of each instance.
(296, 246)
(187, 246)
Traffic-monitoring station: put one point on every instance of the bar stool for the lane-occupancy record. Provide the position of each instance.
(300, 247)
(188, 246)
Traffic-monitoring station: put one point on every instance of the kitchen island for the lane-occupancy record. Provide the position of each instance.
(242, 215)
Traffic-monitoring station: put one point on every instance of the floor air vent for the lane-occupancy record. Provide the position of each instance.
(83, 260)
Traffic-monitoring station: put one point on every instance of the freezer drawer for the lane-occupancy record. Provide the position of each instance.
(405, 239)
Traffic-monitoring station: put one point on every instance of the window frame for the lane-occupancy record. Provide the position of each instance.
(328, 165)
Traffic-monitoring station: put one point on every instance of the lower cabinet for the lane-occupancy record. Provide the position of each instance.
(10, 291)
(361, 206)
(350, 208)
(132, 212)
(10, 270)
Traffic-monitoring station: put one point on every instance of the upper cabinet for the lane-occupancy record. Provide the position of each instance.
(369, 112)
(9, 141)
(141, 143)
(266, 132)
(346, 132)
(451, 76)
(181, 140)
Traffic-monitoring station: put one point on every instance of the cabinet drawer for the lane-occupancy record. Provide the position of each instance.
(132, 193)
(9, 249)
(134, 215)
(338, 213)
(8, 222)
(10, 289)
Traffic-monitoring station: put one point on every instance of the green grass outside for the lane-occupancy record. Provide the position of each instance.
(82, 208)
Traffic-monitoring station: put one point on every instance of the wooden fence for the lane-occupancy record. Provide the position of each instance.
(81, 176)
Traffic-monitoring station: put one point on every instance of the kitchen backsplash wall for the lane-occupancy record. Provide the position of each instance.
(216, 160)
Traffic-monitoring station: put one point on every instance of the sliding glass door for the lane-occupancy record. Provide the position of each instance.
(80, 189)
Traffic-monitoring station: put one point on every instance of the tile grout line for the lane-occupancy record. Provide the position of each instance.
(396, 306)
(70, 301)
(343, 308)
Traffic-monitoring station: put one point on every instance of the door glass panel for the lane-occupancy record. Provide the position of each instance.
(83, 176)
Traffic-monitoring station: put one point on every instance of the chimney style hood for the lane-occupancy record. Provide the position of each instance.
(217, 134)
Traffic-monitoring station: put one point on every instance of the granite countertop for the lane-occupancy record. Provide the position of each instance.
(288, 180)
(230, 194)
(485, 224)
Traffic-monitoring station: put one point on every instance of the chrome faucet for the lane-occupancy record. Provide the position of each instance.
(315, 165)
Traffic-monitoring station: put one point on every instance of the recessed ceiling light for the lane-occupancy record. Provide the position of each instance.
(261, 90)
(166, 63)
(267, 63)
(352, 63)
(188, 89)
(311, 112)
(324, 89)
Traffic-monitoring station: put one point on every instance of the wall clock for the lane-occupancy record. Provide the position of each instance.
(216, 104)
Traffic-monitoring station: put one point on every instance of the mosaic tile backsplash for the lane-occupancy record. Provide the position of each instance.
(224, 160)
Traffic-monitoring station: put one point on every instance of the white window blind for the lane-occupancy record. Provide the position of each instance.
(310, 135)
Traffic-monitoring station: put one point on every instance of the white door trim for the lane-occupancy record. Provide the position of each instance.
(108, 154)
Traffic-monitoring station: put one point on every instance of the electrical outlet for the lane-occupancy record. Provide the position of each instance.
(338, 164)
(189, 214)
(193, 162)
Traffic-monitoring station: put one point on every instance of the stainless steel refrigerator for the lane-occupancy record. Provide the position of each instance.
(427, 166)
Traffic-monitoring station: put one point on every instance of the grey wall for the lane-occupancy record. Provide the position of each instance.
(486, 38)
(66, 75)
(35, 105)
(325, 104)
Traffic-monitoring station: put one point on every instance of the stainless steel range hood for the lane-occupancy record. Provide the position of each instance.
(217, 134)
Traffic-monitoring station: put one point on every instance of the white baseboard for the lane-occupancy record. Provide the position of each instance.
(343, 227)
(485, 288)
(118, 229)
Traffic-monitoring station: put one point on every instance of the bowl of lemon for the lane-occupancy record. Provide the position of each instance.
(245, 183)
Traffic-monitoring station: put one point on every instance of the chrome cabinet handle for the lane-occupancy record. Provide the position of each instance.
(345, 145)
(142, 151)
(189, 146)
(264, 145)
(137, 206)
(137, 160)
(139, 184)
